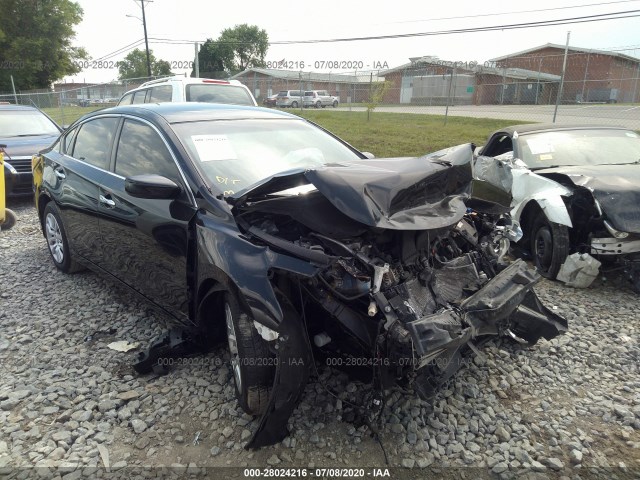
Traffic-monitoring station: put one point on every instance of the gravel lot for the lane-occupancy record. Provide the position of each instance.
(69, 405)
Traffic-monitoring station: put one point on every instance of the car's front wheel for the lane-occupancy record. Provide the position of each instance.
(252, 362)
(294, 104)
(335, 103)
(549, 245)
(57, 240)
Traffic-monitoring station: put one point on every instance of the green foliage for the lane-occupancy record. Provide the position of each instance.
(236, 49)
(378, 91)
(35, 42)
(134, 65)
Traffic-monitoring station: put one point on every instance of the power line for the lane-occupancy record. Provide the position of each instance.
(510, 13)
(514, 26)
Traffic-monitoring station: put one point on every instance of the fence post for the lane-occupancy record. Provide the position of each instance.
(446, 112)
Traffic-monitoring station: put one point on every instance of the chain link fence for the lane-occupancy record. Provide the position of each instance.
(597, 87)
(68, 101)
(588, 87)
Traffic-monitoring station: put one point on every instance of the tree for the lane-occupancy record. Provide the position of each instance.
(134, 65)
(35, 42)
(376, 95)
(236, 49)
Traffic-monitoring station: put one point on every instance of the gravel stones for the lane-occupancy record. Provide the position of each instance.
(557, 408)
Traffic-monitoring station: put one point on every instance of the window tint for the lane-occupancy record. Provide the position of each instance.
(126, 100)
(161, 93)
(139, 96)
(93, 141)
(215, 93)
(142, 151)
(66, 144)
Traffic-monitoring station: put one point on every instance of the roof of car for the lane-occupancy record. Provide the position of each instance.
(13, 106)
(546, 127)
(177, 112)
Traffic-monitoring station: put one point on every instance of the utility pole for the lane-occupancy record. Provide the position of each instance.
(564, 67)
(146, 39)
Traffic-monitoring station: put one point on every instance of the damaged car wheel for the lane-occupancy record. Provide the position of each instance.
(549, 246)
(252, 363)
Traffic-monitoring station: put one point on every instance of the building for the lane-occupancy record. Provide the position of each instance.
(264, 82)
(591, 75)
(431, 81)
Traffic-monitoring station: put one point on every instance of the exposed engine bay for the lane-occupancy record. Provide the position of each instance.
(404, 304)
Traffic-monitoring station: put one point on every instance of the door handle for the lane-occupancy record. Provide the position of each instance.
(107, 201)
(60, 174)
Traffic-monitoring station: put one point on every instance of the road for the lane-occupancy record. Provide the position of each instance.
(621, 115)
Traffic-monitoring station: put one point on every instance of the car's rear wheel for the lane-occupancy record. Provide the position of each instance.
(549, 245)
(294, 104)
(252, 362)
(57, 240)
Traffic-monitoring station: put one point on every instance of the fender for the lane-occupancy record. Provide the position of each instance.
(548, 194)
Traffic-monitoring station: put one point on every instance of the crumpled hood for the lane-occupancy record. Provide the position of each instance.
(394, 193)
(26, 146)
(615, 187)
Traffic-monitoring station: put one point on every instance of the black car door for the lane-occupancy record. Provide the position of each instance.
(145, 240)
(73, 176)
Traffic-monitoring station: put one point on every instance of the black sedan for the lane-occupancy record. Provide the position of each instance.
(257, 227)
(25, 131)
(575, 188)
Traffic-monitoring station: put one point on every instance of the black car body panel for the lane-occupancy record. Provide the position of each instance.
(380, 260)
(615, 187)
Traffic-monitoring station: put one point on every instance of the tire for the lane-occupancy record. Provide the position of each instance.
(549, 246)
(252, 363)
(318, 104)
(294, 104)
(57, 240)
(10, 219)
(335, 104)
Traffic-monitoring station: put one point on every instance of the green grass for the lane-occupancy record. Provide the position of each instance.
(69, 114)
(404, 134)
(385, 135)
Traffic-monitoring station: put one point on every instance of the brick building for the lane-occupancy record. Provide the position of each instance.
(591, 75)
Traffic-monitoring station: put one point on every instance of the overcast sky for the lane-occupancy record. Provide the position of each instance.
(106, 28)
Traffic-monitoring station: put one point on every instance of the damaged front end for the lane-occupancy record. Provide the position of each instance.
(408, 279)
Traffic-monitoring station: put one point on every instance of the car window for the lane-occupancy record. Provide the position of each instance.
(161, 93)
(282, 94)
(216, 93)
(498, 145)
(234, 154)
(126, 99)
(308, 94)
(579, 147)
(66, 145)
(93, 141)
(139, 96)
(25, 123)
(142, 151)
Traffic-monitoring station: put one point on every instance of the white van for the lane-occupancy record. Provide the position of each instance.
(184, 89)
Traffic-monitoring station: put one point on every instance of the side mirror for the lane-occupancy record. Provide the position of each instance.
(369, 155)
(151, 186)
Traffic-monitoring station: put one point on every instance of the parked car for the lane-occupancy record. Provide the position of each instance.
(270, 101)
(575, 189)
(184, 89)
(258, 227)
(25, 131)
(289, 98)
(319, 98)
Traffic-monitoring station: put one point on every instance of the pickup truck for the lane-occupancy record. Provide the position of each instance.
(319, 98)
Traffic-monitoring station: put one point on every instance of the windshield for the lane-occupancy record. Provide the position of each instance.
(216, 93)
(579, 147)
(235, 154)
(25, 123)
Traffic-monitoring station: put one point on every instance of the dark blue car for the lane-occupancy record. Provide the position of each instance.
(25, 131)
(260, 229)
